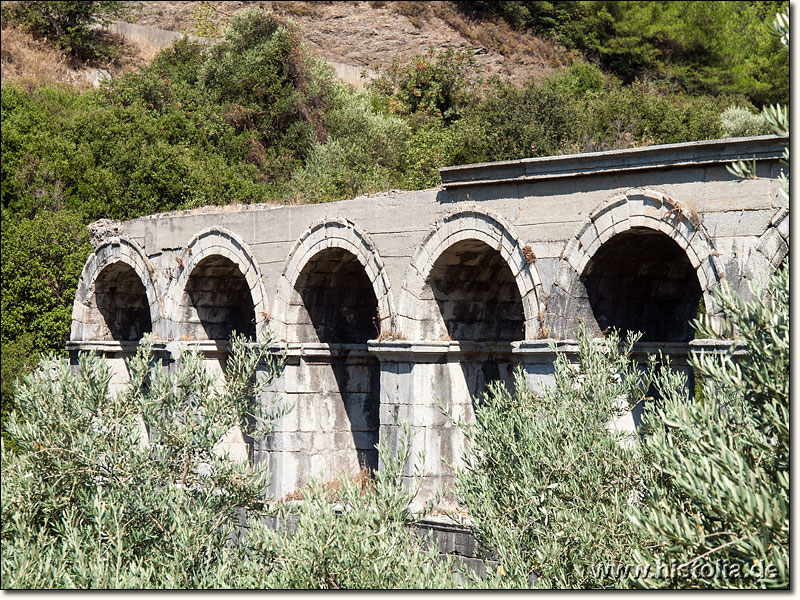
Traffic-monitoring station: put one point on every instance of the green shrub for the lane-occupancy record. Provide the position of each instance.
(547, 481)
(261, 70)
(579, 109)
(535, 120)
(740, 122)
(67, 23)
(717, 506)
(119, 159)
(434, 144)
(42, 261)
(365, 152)
(435, 85)
(85, 503)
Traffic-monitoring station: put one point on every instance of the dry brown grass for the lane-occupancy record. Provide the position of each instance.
(500, 36)
(332, 487)
(32, 63)
(416, 12)
(295, 9)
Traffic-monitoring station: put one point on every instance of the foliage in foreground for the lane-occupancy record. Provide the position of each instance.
(355, 538)
(87, 502)
(702, 501)
(547, 480)
(719, 486)
(719, 491)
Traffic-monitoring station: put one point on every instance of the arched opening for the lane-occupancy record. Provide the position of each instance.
(642, 280)
(470, 296)
(217, 301)
(123, 311)
(476, 296)
(333, 302)
(337, 303)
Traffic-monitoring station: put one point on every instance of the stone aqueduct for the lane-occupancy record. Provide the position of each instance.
(387, 304)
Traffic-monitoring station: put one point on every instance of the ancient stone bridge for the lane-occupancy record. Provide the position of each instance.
(387, 304)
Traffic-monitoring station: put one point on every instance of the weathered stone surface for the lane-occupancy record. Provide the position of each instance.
(394, 303)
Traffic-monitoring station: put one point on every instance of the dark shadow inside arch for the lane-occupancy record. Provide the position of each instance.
(479, 301)
(122, 303)
(217, 301)
(642, 280)
(338, 298)
(477, 296)
(335, 303)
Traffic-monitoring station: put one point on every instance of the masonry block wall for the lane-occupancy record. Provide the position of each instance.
(392, 305)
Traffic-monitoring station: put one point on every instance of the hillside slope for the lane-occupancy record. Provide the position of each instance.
(370, 34)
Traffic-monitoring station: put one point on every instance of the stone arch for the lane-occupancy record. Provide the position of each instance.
(117, 297)
(769, 252)
(641, 212)
(336, 241)
(216, 282)
(472, 231)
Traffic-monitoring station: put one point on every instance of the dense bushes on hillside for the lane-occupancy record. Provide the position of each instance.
(256, 118)
(698, 47)
(68, 23)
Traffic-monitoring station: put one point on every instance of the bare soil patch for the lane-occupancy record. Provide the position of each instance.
(372, 34)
